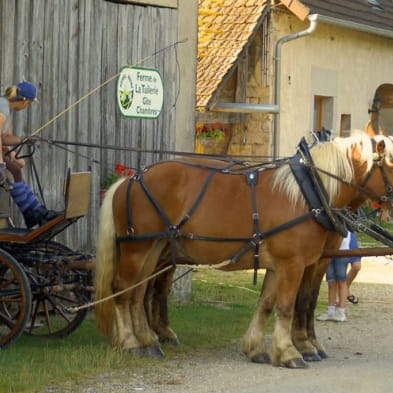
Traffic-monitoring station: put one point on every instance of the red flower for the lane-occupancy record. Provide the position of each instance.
(124, 170)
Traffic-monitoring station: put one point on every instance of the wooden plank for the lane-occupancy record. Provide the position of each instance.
(241, 80)
(154, 3)
(78, 194)
(297, 8)
(358, 252)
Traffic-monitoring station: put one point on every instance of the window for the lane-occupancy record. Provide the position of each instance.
(323, 113)
(345, 125)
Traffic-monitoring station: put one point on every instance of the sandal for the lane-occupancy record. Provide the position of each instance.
(353, 299)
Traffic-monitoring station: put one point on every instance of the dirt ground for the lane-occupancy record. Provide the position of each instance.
(360, 355)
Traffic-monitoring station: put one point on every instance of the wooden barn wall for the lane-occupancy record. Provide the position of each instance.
(69, 48)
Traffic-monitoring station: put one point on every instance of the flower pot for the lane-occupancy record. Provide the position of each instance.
(214, 146)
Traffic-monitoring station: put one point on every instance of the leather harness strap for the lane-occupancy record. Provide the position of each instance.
(313, 190)
(173, 232)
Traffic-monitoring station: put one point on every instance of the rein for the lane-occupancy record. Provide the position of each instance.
(372, 195)
(258, 165)
(91, 304)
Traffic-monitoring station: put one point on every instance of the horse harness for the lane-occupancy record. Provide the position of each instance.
(310, 183)
(306, 175)
(378, 164)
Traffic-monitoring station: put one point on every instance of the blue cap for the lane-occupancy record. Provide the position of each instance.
(27, 90)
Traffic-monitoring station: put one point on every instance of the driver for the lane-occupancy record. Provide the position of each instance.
(16, 98)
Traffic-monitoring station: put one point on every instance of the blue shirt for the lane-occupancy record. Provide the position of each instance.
(6, 111)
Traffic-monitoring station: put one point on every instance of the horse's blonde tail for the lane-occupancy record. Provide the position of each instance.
(105, 262)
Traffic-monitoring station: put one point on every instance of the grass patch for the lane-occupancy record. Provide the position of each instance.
(217, 317)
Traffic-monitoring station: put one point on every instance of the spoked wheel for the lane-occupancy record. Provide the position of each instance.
(15, 299)
(56, 285)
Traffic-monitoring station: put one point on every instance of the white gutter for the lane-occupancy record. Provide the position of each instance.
(237, 107)
(277, 76)
(355, 26)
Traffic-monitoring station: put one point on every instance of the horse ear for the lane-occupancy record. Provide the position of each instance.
(369, 130)
(381, 147)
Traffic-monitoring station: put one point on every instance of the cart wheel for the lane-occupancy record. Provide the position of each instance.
(15, 299)
(54, 290)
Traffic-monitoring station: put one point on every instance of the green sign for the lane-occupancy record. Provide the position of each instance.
(140, 92)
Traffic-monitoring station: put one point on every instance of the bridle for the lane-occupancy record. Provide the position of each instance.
(378, 161)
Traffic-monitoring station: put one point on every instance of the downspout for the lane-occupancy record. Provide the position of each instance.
(277, 77)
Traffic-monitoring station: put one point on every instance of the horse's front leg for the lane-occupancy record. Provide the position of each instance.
(300, 322)
(254, 340)
(289, 273)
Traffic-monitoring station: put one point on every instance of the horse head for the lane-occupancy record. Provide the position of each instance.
(379, 179)
(371, 159)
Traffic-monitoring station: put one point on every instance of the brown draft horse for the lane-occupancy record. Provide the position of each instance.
(225, 210)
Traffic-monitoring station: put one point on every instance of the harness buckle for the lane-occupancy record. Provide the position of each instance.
(316, 212)
(173, 231)
(257, 238)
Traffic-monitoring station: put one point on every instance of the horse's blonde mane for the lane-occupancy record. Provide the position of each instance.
(333, 157)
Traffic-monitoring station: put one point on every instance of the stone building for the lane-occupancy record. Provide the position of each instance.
(273, 71)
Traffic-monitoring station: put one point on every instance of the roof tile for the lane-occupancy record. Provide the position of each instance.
(225, 27)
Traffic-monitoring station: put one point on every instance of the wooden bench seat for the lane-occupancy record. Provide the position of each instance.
(76, 201)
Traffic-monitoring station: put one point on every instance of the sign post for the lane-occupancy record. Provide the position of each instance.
(140, 92)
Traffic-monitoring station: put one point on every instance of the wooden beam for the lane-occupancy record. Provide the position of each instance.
(297, 8)
(241, 80)
(358, 252)
(154, 3)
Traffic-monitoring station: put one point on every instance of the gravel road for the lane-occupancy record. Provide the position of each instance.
(360, 356)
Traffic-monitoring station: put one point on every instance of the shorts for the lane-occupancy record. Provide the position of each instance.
(337, 270)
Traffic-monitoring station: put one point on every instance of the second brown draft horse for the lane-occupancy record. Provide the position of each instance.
(225, 215)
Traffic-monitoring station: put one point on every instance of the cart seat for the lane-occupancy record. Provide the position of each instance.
(76, 201)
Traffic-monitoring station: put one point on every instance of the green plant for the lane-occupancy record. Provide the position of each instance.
(113, 177)
(212, 131)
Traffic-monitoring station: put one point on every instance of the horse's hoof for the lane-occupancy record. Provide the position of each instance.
(153, 352)
(261, 358)
(311, 357)
(296, 363)
(172, 341)
(322, 354)
(138, 352)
